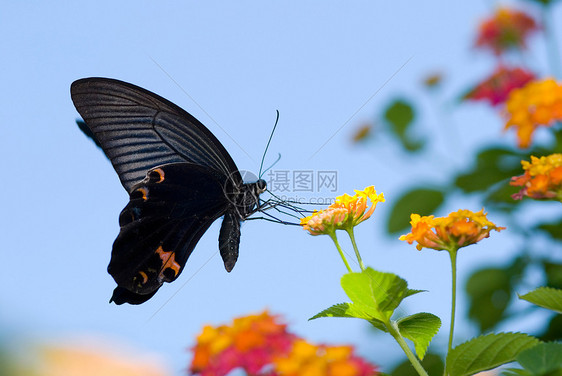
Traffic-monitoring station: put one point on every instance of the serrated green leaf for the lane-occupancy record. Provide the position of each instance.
(487, 352)
(420, 329)
(422, 201)
(374, 292)
(349, 310)
(542, 359)
(342, 310)
(546, 297)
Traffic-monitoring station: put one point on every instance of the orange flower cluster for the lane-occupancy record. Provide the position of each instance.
(261, 346)
(505, 30)
(496, 88)
(458, 229)
(542, 178)
(346, 212)
(250, 343)
(539, 103)
(322, 360)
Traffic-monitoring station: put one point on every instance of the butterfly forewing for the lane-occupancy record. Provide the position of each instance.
(139, 130)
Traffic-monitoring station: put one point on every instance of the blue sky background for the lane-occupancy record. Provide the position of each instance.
(318, 63)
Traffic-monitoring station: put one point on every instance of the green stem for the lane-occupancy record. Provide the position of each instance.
(453, 255)
(335, 239)
(357, 254)
(393, 330)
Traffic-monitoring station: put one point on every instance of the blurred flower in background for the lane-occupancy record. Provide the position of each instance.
(496, 88)
(542, 178)
(538, 103)
(85, 357)
(506, 29)
(261, 345)
(363, 133)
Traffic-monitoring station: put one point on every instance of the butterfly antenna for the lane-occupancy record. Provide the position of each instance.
(268, 142)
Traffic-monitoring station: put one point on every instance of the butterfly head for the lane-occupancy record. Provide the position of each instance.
(261, 186)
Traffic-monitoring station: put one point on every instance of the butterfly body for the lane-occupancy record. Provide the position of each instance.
(179, 177)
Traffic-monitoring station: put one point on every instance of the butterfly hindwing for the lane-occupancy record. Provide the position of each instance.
(139, 130)
(167, 214)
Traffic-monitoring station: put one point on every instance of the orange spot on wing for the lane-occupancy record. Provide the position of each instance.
(168, 260)
(160, 172)
(144, 277)
(144, 192)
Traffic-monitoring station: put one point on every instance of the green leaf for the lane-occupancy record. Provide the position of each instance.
(420, 329)
(400, 114)
(492, 166)
(553, 273)
(553, 330)
(546, 297)
(432, 363)
(349, 310)
(342, 310)
(375, 292)
(487, 352)
(515, 372)
(553, 229)
(422, 201)
(542, 359)
(489, 292)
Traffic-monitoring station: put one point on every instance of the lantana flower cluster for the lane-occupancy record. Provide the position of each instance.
(496, 88)
(539, 103)
(542, 178)
(261, 345)
(459, 229)
(506, 29)
(345, 213)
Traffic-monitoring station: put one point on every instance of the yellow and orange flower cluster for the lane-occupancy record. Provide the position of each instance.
(506, 29)
(308, 359)
(345, 213)
(496, 88)
(539, 103)
(261, 346)
(250, 343)
(458, 229)
(542, 178)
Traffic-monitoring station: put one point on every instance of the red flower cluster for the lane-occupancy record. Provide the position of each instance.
(250, 343)
(497, 87)
(505, 30)
(261, 346)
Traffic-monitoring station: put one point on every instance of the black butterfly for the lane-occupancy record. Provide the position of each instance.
(179, 177)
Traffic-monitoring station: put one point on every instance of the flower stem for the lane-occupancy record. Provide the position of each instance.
(357, 254)
(393, 330)
(453, 255)
(335, 239)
